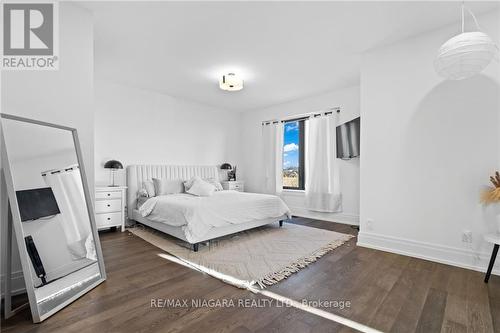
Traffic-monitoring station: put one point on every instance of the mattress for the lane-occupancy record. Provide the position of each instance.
(196, 216)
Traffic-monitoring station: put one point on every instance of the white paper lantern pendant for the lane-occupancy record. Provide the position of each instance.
(466, 54)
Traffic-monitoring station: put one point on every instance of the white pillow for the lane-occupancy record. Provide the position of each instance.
(168, 186)
(189, 183)
(149, 187)
(141, 201)
(215, 183)
(201, 188)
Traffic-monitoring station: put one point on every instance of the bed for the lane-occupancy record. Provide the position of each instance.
(199, 219)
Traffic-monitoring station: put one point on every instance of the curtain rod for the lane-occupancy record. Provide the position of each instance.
(302, 116)
(54, 171)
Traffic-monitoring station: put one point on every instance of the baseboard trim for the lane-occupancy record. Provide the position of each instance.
(330, 217)
(17, 283)
(463, 258)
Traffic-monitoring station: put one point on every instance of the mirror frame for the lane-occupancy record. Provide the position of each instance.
(16, 219)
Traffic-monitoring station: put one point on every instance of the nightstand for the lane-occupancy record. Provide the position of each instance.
(237, 185)
(110, 207)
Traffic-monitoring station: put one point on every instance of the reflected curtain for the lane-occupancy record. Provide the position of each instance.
(272, 141)
(68, 191)
(322, 169)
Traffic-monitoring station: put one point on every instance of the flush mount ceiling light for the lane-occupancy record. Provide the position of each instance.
(466, 54)
(230, 82)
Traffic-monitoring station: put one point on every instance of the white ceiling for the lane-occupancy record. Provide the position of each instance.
(283, 50)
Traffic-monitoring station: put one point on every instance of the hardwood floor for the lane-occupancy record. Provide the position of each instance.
(389, 292)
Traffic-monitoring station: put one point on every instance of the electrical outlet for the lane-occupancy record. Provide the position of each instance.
(467, 236)
(369, 224)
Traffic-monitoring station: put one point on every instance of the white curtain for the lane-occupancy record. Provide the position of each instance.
(272, 140)
(322, 169)
(68, 191)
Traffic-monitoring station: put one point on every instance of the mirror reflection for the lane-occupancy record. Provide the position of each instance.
(58, 240)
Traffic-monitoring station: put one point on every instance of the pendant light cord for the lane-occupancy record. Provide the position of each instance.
(497, 55)
(471, 14)
(463, 17)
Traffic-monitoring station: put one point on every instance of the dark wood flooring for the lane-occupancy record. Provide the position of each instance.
(389, 292)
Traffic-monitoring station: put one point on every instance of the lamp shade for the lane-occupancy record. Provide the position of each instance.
(465, 55)
(226, 166)
(113, 164)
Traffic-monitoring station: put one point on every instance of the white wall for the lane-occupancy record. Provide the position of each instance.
(251, 169)
(27, 173)
(137, 126)
(63, 97)
(428, 147)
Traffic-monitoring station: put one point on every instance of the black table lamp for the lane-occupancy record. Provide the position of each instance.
(113, 165)
(228, 168)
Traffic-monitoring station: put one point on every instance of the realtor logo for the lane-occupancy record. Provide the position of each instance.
(29, 36)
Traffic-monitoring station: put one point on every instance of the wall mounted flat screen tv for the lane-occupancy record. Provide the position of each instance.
(348, 137)
(37, 203)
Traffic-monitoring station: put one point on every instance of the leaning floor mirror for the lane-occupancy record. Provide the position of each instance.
(51, 212)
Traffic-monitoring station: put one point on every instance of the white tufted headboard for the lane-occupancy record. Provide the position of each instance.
(136, 174)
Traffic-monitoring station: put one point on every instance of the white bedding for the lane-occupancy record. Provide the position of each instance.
(197, 215)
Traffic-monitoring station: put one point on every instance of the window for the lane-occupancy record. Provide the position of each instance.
(293, 155)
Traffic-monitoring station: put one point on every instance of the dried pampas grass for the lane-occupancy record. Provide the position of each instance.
(492, 193)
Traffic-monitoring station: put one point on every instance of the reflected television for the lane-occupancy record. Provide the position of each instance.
(348, 137)
(37, 203)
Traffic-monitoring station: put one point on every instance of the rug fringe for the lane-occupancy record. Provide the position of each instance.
(294, 267)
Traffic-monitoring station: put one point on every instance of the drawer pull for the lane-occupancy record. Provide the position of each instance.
(109, 218)
(109, 205)
(108, 195)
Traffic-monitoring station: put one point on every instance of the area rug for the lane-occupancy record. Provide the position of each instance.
(262, 256)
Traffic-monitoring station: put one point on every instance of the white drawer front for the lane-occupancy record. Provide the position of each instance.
(237, 187)
(110, 219)
(108, 195)
(108, 206)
